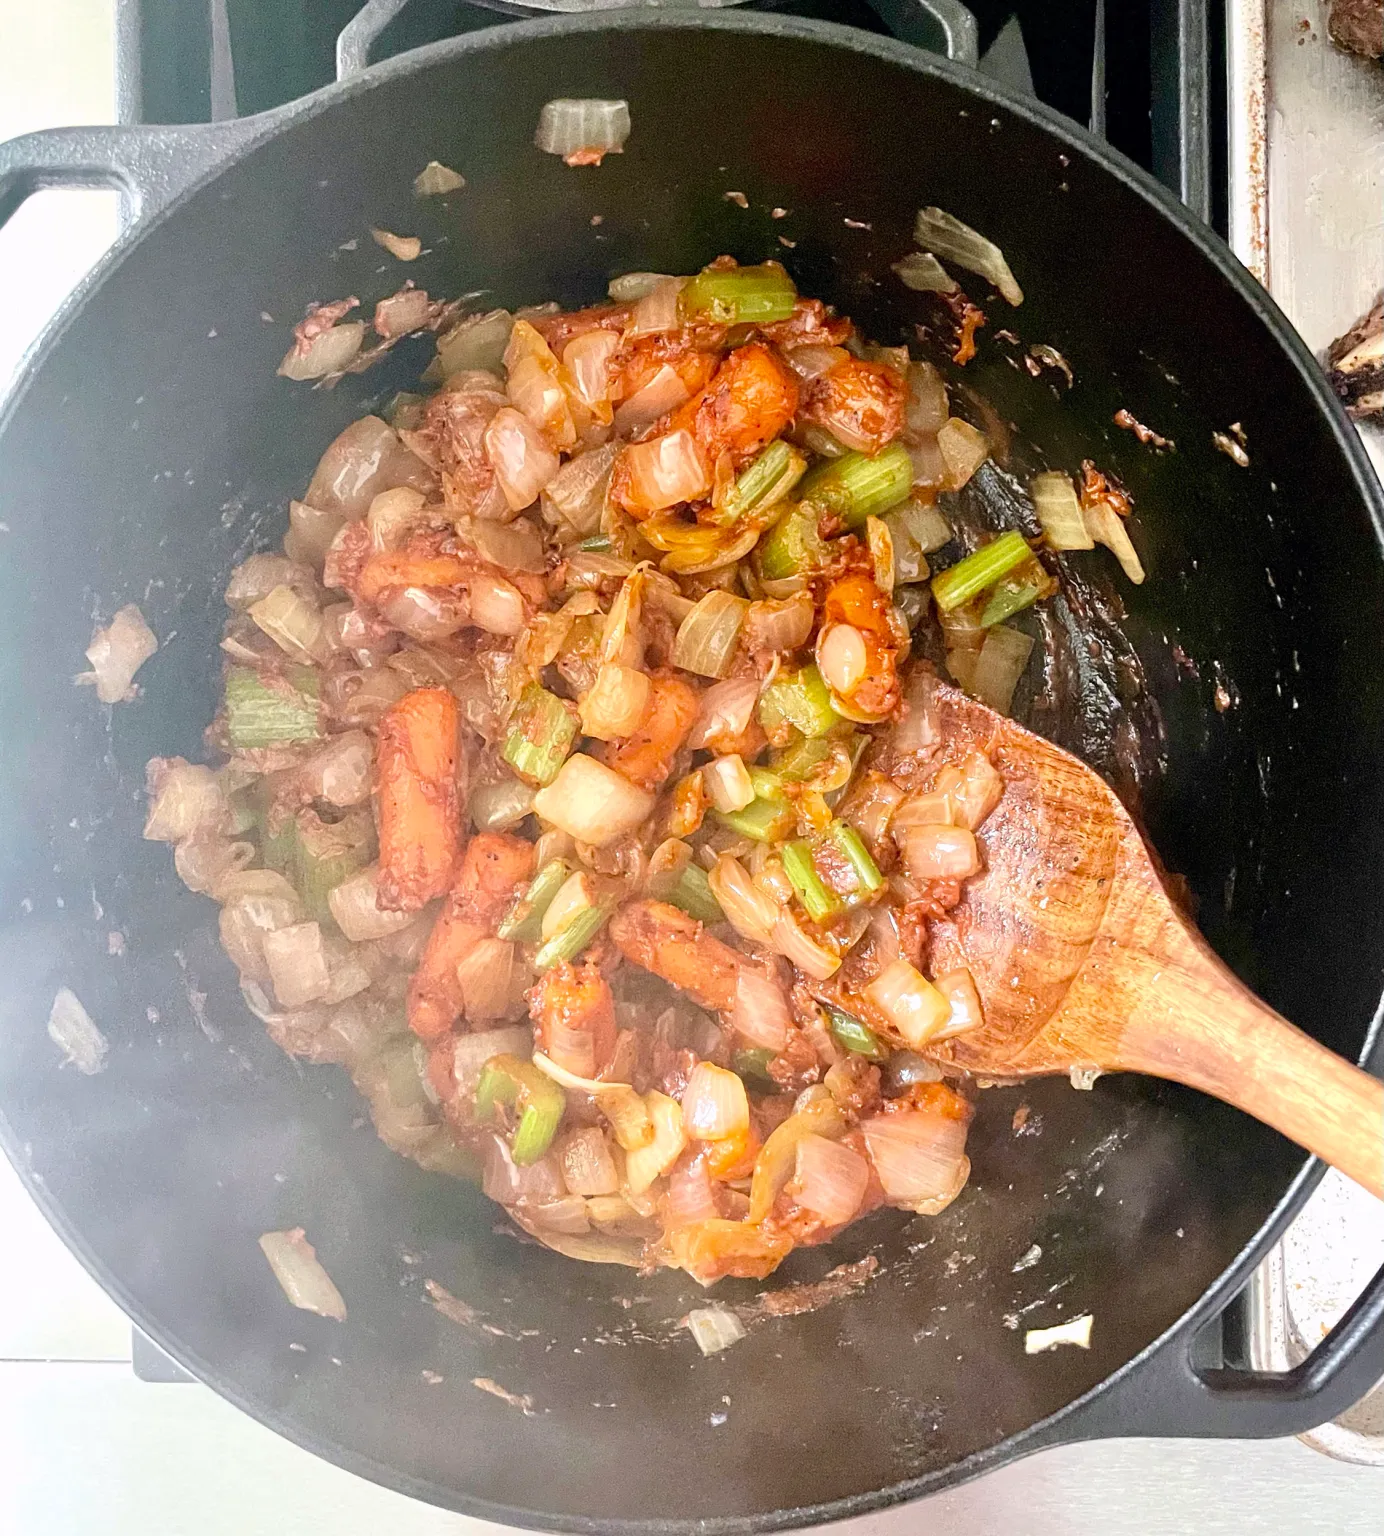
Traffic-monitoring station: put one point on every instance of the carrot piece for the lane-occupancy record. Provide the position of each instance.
(419, 801)
(645, 757)
(402, 569)
(672, 945)
(750, 400)
(492, 870)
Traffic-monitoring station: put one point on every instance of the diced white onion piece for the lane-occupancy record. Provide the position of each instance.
(493, 979)
(727, 782)
(475, 344)
(929, 808)
(592, 802)
(714, 1328)
(393, 515)
(497, 605)
(881, 545)
(978, 790)
(929, 467)
(666, 470)
(425, 614)
(516, 546)
(203, 862)
(576, 893)
(706, 638)
(470, 1052)
(436, 180)
(297, 964)
(645, 1164)
(72, 1030)
(582, 130)
(300, 1274)
(920, 1158)
(663, 393)
(587, 358)
(565, 1215)
(920, 728)
(963, 448)
(761, 1015)
(578, 490)
(795, 946)
(872, 805)
(587, 1165)
(500, 804)
(187, 799)
(1000, 665)
(403, 247)
(725, 711)
(1106, 526)
(249, 915)
(294, 624)
(779, 625)
(340, 772)
(312, 530)
(657, 311)
(812, 361)
(615, 703)
(360, 462)
(630, 287)
(937, 231)
(1059, 511)
(355, 905)
(257, 577)
(829, 1179)
(909, 1001)
(520, 456)
(117, 652)
(940, 852)
(506, 1183)
(959, 989)
(328, 352)
(1076, 1332)
(842, 657)
(690, 1196)
(752, 912)
(715, 1105)
(923, 273)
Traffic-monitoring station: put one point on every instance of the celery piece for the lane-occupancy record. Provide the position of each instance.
(260, 714)
(568, 942)
(852, 848)
(793, 546)
(541, 732)
(524, 921)
(537, 1099)
(327, 853)
(763, 820)
(851, 1035)
(818, 901)
(973, 575)
(801, 699)
(798, 761)
(857, 486)
(693, 894)
(754, 1063)
(764, 483)
(740, 296)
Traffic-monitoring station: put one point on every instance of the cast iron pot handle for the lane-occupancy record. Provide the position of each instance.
(944, 26)
(149, 166)
(1166, 1394)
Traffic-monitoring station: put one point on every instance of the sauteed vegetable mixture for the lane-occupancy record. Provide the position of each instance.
(576, 791)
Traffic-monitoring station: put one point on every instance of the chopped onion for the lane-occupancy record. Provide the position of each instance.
(425, 614)
(714, 1104)
(905, 1069)
(926, 411)
(615, 703)
(752, 912)
(999, 666)
(587, 358)
(727, 783)
(257, 577)
(500, 804)
(506, 1183)
(592, 802)
(436, 180)
(311, 532)
(657, 311)
(690, 1195)
(923, 273)
(706, 637)
(726, 710)
(294, 624)
(663, 393)
(583, 131)
(116, 653)
(977, 790)
(1077, 1332)
(71, 1029)
(297, 964)
(536, 386)
(187, 799)
(475, 344)
(330, 351)
(939, 852)
(761, 1015)
(497, 605)
(920, 729)
(566, 1215)
(404, 247)
(573, 896)
(203, 863)
(714, 1328)
(959, 989)
(578, 490)
(666, 470)
(920, 1158)
(779, 626)
(492, 978)
(963, 448)
(630, 287)
(360, 462)
(881, 545)
(587, 1166)
(871, 806)
(829, 1179)
(520, 456)
(645, 1164)
(909, 1002)
(301, 1275)
(401, 313)
(812, 361)
(937, 231)
(795, 946)
(1059, 511)
(393, 515)
(471, 1052)
(355, 905)
(340, 772)
(930, 808)
(248, 917)
(1106, 526)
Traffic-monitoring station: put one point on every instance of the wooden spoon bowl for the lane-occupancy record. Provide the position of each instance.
(1084, 963)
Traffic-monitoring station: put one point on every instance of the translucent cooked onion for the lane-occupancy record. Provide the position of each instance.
(587, 358)
(424, 613)
(749, 910)
(666, 470)
(727, 783)
(939, 852)
(795, 946)
(408, 310)
(506, 1183)
(401, 247)
(871, 806)
(360, 462)
(500, 804)
(496, 604)
(977, 790)
(297, 964)
(578, 490)
(203, 863)
(829, 1179)
(328, 352)
(355, 905)
(963, 449)
(842, 658)
(520, 456)
(470, 1052)
(582, 131)
(592, 802)
(919, 1157)
(516, 546)
(812, 361)
(715, 1105)
(1059, 511)
(690, 1194)
(779, 625)
(493, 978)
(257, 577)
(923, 273)
(393, 515)
(937, 231)
(909, 1002)
(630, 287)
(645, 1164)
(663, 393)
(615, 703)
(656, 311)
(117, 652)
(564, 1217)
(959, 989)
(761, 1015)
(340, 773)
(475, 344)
(436, 180)
(725, 711)
(920, 729)
(587, 1165)
(300, 1273)
(311, 532)
(186, 799)
(72, 1030)
(361, 697)
(706, 637)
(714, 1328)
(1001, 663)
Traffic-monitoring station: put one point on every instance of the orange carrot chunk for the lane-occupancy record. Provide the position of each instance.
(419, 802)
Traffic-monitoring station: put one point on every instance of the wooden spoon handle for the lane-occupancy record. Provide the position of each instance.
(1198, 1024)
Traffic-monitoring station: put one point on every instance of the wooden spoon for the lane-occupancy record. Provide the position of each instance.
(1083, 961)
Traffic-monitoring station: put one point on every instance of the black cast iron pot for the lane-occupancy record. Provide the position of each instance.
(149, 447)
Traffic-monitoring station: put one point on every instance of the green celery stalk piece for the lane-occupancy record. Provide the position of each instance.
(541, 734)
(857, 485)
(857, 855)
(764, 483)
(818, 902)
(740, 296)
(693, 895)
(523, 922)
(979, 571)
(801, 699)
(568, 942)
(794, 545)
(851, 1035)
(258, 715)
